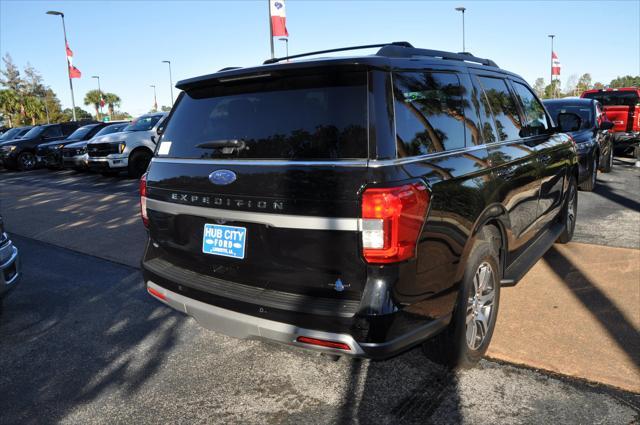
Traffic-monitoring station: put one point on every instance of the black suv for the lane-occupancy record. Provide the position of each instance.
(50, 154)
(21, 153)
(355, 205)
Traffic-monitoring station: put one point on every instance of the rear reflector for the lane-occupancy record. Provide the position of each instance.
(156, 294)
(143, 200)
(392, 219)
(323, 343)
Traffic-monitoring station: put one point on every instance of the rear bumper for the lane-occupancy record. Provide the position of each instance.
(247, 326)
(9, 267)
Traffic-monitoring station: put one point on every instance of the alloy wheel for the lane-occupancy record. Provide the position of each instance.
(595, 172)
(480, 306)
(27, 161)
(571, 208)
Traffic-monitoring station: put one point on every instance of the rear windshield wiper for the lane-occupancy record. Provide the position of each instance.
(222, 143)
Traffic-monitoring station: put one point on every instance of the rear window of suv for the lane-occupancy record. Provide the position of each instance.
(614, 98)
(289, 117)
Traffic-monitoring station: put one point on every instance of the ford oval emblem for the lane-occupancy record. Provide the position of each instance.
(222, 177)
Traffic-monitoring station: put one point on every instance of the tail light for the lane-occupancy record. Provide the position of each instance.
(324, 343)
(143, 200)
(392, 219)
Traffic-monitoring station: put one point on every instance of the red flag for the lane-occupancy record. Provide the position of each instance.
(73, 71)
(555, 64)
(278, 18)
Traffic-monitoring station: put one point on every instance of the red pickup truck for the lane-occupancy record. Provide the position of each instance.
(622, 107)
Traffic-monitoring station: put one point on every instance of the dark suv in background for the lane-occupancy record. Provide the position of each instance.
(356, 205)
(50, 154)
(590, 128)
(21, 153)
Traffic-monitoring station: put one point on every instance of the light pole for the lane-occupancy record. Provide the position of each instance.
(99, 93)
(155, 100)
(64, 31)
(462, 9)
(286, 42)
(170, 80)
(553, 88)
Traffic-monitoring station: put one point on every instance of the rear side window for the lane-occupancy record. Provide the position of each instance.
(499, 100)
(536, 120)
(429, 113)
(291, 117)
(53, 131)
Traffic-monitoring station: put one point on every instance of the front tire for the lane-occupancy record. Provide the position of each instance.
(608, 163)
(463, 343)
(569, 212)
(590, 184)
(138, 163)
(26, 161)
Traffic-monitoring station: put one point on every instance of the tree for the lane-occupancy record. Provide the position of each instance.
(584, 83)
(598, 85)
(538, 87)
(551, 91)
(11, 75)
(572, 82)
(626, 81)
(9, 105)
(164, 108)
(81, 114)
(92, 98)
(113, 101)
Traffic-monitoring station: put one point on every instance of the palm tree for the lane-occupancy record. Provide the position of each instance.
(9, 104)
(93, 98)
(113, 101)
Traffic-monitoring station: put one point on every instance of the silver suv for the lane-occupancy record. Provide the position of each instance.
(130, 150)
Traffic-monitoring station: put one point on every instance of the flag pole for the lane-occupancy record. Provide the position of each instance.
(270, 29)
(553, 88)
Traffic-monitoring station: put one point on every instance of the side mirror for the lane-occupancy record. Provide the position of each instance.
(606, 125)
(568, 121)
(153, 139)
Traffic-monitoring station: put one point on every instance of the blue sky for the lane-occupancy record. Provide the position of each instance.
(125, 41)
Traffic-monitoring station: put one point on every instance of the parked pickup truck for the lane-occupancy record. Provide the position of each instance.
(622, 107)
(356, 205)
(129, 150)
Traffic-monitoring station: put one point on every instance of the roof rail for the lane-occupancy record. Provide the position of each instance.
(399, 51)
(229, 68)
(403, 44)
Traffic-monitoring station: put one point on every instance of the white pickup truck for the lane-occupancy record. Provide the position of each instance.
(130, 150)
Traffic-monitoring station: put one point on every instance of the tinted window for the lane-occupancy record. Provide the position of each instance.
(111, 129)
(623, 98)
(53, 131)
(499, 100)
(536, 119)
(585, 112)
(320, 116)
(9, 134)
(35, 131)
(429, 113)
(81, 132)
(144, 123)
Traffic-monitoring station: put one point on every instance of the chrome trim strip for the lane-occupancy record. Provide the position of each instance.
(286, 221)
(263, 162)
(243, 326)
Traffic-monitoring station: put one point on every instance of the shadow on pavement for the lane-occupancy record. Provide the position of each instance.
(597, 303)
(73, 330)
(603, 189)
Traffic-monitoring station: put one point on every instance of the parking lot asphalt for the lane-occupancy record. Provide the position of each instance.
(82, 342)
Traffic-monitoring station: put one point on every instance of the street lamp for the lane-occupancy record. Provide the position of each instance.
(64, 31)
(155, 100)
(553, 89)
(286, 42)
(462, 9)
(170, 80)
(99, 93)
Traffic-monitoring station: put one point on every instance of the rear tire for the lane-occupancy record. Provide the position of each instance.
(138, 163)
(569, 213)
(463, 343)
